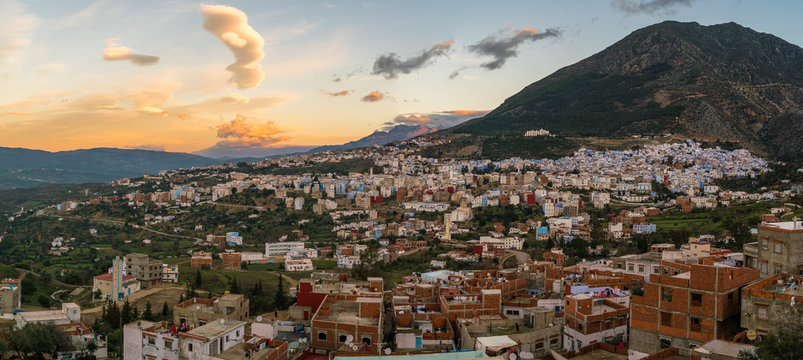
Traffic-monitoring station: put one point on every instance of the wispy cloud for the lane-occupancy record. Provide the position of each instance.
(507, 46)
(114, 51)
(649, 6)
(337, 93)
(16, 28)
(373, 96)
(230, 25)
(390, 65)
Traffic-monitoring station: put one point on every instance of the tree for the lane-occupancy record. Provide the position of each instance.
(91, 347)
(148, 313)
(198, 280)
(3, 348)
(125, 313)
(280, 300)
(371, 264)
(165, 310)
(234, 287)
(783, 343)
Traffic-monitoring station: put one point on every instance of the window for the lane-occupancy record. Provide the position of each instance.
(730, 296)
(579, 327)
(697, 299)
(777, 269)
(189, 347)
(539, 346)
(762, 312)
(666, 319)
(366, 340)
(763, 244)
(666, 271)
(695, 324)
(777, 248)
(655, 270)
(342, 338)
(666, 294)
(151, 340)
(763, 268)
(630, 267)
(554, 341)
(666, 343)
(168, 345)
(322, 336)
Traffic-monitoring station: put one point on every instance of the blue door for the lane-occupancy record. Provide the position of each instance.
(418, 344)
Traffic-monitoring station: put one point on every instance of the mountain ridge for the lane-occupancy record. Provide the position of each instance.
(720, 82)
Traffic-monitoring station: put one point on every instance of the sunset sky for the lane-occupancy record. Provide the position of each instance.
(186, 76)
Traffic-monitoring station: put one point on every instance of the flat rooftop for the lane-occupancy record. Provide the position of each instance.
(347, 312)
(785, 225)
(600, 355)
(215, 328)
(463, 355)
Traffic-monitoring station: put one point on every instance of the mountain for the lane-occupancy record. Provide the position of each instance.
(379, 137)
(722, 83)
(20, 168)
(226, 153)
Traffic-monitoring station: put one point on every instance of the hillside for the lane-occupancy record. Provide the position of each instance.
(21, 168)
(379, 137)
(719, 83)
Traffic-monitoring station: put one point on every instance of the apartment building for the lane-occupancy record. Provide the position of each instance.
(589, 320)
(779, 249)
(169, 273)
(199, 311)
(199, 259)
(210, 340)
(768, 302)
(115, 289)
(687, 304)
(10, 296)
(298, 265)
(148, 271)
(282, 248)
(347, 323)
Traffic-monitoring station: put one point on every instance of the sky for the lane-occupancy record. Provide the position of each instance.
(237, 77)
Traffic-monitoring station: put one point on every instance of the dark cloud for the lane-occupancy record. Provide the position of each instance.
(390, 65)
(506, 47)
(343, 77)
(456, 73)
(440, 119)
(373, 96)
(648, 6)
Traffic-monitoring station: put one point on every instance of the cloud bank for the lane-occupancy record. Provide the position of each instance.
(650, 7)
(390, 65)
(240, 134)
(230, 25)
(440, 119)
(114, 51)
(506, 47)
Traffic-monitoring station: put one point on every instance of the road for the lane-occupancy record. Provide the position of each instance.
(521, 256)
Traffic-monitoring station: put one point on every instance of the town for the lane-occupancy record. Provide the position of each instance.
(628, 254)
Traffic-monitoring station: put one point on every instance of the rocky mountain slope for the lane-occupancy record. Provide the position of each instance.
(721, 83)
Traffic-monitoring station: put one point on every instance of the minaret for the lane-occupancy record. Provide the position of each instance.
(447, 222)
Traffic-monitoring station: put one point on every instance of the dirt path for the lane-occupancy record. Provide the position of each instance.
(136, 296)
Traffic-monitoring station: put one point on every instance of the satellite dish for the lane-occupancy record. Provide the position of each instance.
(259, 318)
(512, 356)
(349, 338)
(387, 351)
(198, 307)
(751, 334)
(354, 347)
(222, 321)
(526, 355)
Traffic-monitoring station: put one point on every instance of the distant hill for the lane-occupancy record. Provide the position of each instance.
(719, 83)
(379, 137)
(23, 168)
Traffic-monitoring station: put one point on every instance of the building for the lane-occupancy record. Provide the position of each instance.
(207, 341)
(589, 320)
(779, 249)
(687, 304)
(298, 265)
(200, 259)
(199, 311)
(148, 271)
(282, 248)
(169, 273)
(347, 323)
(114, 288)
(70, 313)
(231, 259)
(150, 340)
(644, 228)
(10, 296)
(767, 301)
(233, 238)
